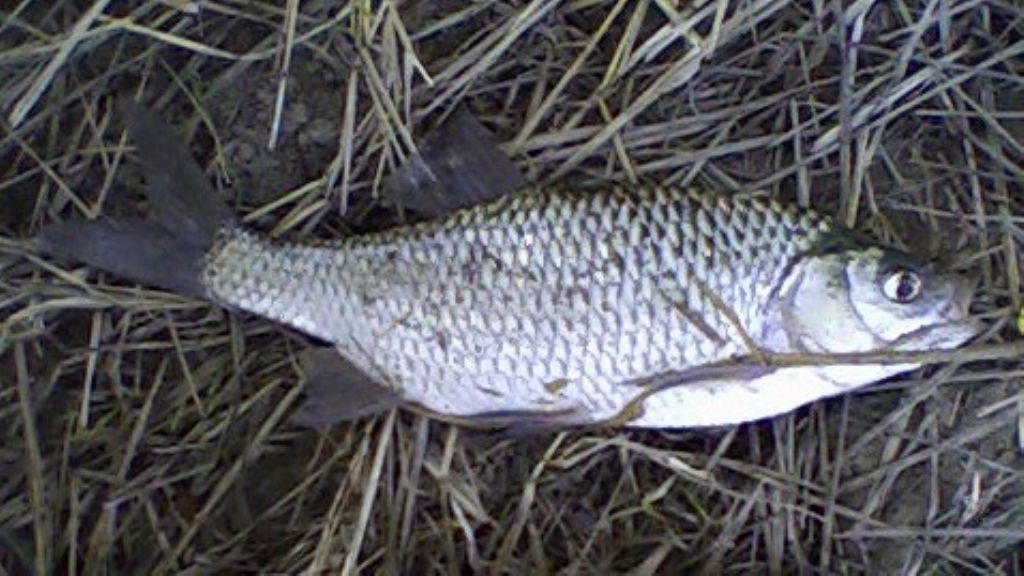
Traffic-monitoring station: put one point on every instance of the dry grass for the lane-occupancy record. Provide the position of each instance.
(147, 432)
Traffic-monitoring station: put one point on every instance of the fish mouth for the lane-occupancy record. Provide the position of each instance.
(966, 287)
(958, 311)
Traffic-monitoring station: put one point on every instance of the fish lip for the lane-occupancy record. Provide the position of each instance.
(958, 311)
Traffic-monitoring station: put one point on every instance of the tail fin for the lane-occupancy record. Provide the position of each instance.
(166, 251)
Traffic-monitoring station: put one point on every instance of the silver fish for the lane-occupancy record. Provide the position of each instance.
(648, 307)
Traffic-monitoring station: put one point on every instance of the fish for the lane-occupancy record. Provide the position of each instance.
(640, 306)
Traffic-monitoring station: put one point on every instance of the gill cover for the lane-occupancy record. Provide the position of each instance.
(867, 298)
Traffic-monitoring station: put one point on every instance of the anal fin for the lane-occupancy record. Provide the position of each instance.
(336, 391)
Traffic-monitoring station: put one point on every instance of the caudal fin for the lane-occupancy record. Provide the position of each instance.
(164, 251)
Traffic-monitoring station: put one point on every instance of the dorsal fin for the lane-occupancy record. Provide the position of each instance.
(459, 165)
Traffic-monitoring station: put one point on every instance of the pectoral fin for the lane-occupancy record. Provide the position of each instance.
(336, 391)
(729, 373)
(731, 370)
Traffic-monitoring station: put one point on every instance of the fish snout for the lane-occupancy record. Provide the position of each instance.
(958, 311)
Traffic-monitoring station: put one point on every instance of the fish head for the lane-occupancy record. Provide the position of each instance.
(868, 299)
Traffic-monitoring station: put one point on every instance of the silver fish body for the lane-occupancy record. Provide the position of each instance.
(557, 302)
(651, 307)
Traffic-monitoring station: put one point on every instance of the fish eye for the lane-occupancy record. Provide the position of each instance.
(902, 286)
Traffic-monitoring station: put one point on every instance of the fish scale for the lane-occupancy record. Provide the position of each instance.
(547, 306)
(481, 312)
